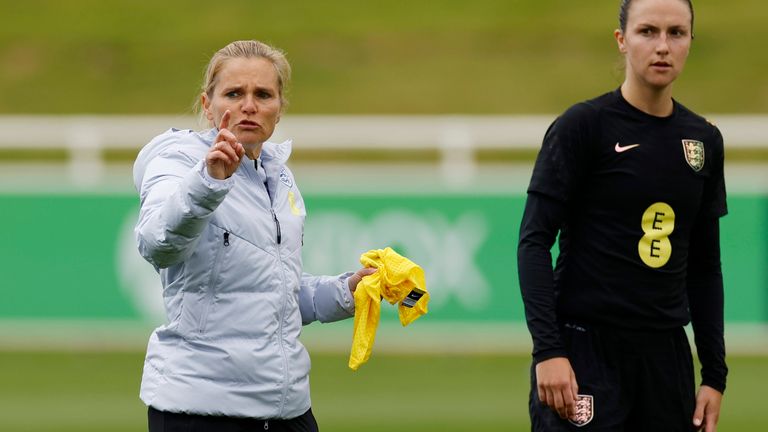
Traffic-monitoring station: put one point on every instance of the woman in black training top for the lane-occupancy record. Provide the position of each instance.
(632, 181)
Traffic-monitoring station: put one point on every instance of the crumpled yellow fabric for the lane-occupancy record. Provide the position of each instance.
(395, 279)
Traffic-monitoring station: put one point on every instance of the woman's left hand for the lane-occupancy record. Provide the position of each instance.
(358, 276)
(707, 409)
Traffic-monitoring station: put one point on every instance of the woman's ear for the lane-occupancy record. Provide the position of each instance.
(619, 36)
(206, 104)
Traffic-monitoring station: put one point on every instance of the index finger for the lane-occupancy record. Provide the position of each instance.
(225, 120)
(574, 389)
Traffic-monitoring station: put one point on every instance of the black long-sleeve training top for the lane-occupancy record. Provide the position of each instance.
(636, 201)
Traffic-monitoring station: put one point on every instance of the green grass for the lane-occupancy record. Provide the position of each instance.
(399, 56)
(98, 391)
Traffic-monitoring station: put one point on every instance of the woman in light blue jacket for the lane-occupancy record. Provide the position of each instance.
(222, 221)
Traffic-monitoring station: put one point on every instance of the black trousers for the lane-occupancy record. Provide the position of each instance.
(163, 421)
(628, 381)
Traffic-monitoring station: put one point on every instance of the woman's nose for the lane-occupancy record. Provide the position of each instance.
(249, 105)
(663, 45)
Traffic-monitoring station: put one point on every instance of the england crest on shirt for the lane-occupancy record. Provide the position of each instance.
(694, 154)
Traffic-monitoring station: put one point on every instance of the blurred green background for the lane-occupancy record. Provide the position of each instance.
(396, 56)
(349, 57)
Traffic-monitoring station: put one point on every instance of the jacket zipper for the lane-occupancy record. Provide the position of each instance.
(214, 275)
(279, 239)
(277, 225)
(282, 317)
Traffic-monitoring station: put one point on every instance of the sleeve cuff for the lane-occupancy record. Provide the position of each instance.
(347, 299)
(214, 183)
(549, 354)
(717, 385)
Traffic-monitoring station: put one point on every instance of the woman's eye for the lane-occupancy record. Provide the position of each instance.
(264, 95)
(233, 94)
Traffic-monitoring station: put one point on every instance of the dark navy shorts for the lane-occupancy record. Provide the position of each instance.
(162, 421)
(628, 381)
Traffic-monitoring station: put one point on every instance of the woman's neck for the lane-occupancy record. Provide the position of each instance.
(252, 151)
(656, 102)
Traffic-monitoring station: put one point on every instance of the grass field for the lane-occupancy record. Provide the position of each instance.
(97, 391)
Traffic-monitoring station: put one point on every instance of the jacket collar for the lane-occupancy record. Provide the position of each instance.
(276, 152)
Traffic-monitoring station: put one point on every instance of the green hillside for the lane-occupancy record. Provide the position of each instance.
(457, 56)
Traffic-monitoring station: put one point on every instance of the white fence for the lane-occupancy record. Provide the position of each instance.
(455, 137)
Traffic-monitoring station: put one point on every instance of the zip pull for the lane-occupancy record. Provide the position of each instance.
(277, 224)
(266, 424)
(226, 238)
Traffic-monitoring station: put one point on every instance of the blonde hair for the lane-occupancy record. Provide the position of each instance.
(246, 49)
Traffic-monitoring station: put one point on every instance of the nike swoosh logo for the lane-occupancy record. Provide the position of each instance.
(620, 149)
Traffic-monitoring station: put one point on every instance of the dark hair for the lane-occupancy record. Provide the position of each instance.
(624, 14)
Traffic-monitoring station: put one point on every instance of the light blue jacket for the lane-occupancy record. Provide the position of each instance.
(229, 256)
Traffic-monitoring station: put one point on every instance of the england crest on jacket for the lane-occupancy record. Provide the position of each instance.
(286, 178)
